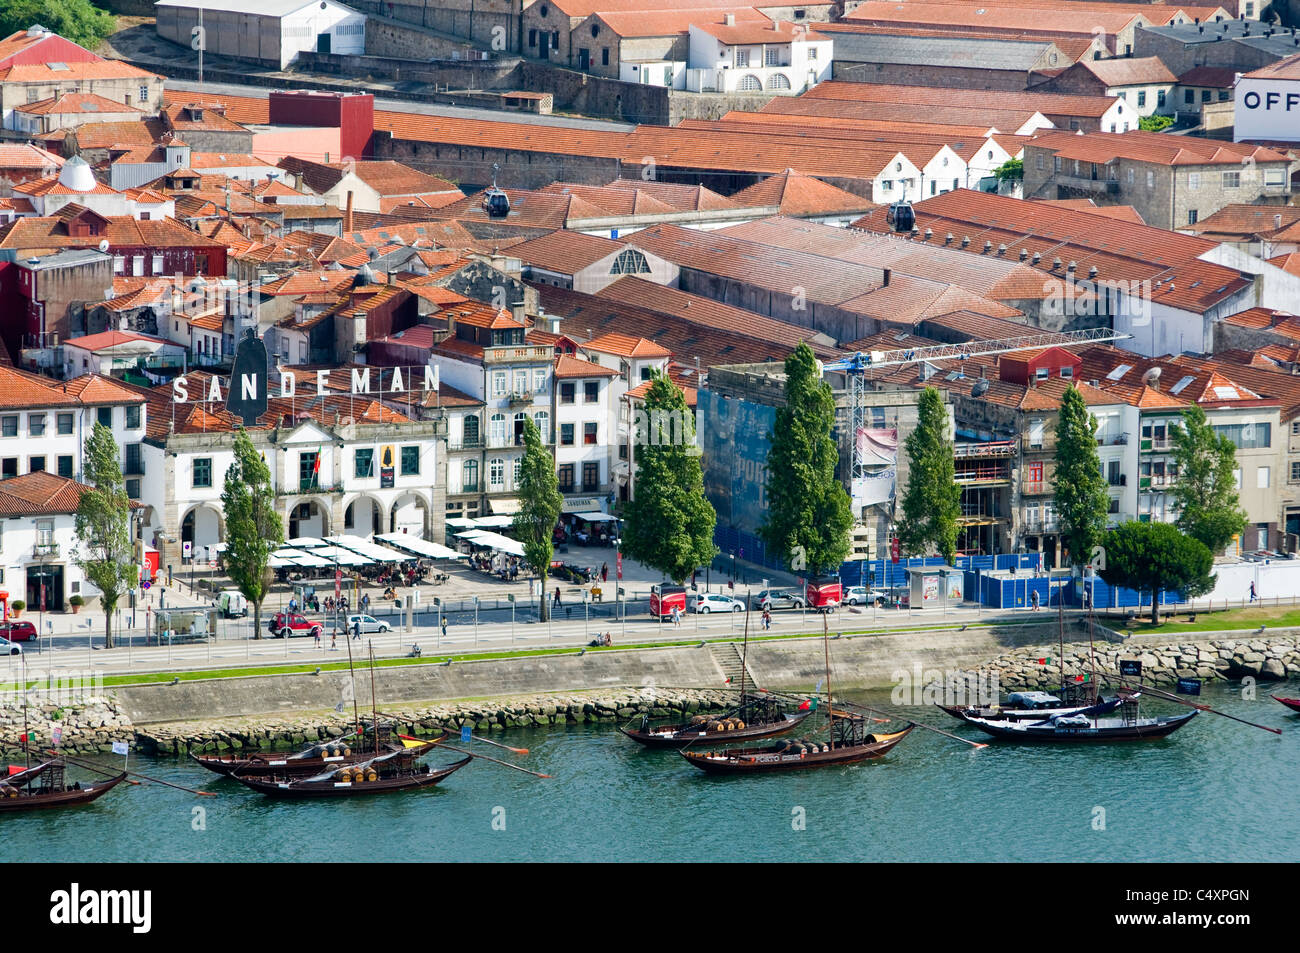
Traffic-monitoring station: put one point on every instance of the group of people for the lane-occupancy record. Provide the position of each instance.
(309, 604)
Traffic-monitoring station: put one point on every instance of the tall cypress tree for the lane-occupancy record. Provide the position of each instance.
(104, 551)
(1080, 491)
(254, 529)
(809, 517)
(1206, 489)
(932, 502)
(540, 503)
(669, 522)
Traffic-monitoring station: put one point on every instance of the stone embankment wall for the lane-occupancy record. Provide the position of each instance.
(1247, 656)
(89, 725)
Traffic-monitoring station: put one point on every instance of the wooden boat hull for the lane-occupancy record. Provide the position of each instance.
(968, 714)
(1144, 730)
(770, 759)
(285, 787)
(1292, 703)
(267, 763)
(679, 736)
(69, 797)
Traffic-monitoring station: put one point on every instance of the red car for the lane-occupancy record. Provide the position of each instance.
(18, 631)
(664, 598)
(286, 624)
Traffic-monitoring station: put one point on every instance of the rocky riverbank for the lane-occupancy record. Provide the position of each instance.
(93, 725)
(86, 726)
(1260, 657)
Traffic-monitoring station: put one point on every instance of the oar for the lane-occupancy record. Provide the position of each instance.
(1169, 696)
(109, 774)
(938, 731)
(495, 744)
(536, 774)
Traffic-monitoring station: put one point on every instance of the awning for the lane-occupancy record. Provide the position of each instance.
(459, 522)
(305, 542)
(421, 547)
(341, 556)
(499, 520)
(373, 552)
(596, 517)
(493, 541)
(509, 505)
(589, 504)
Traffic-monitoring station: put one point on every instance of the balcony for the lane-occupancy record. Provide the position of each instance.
(467, 443)
(993, 448)
(518, 354)
(1150, 445)
(520, 398)
(1038, 525)
(45, 551)
(1035, 487)
(1086, 184)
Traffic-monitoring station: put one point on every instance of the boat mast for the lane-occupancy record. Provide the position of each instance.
(830, 704)
(744, 654)
(352, 678)
(1060, 628)
(27, 742)
(374, 713)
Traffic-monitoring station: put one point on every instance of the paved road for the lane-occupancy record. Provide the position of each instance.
(83, 652)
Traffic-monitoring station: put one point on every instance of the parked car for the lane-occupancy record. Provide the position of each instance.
(286, 624)
(15, 631)
(232, 603)
(368, 624)
(778, 599)
(715, 602)
(10, 648)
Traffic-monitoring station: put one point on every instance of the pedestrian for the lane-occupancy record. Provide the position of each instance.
(334, 641)
(767, 618)
(1033, 597)
(677, 616)
(1252, 592)
(557, 597)
(444, 627)
(604, 572)
(317, 634)
(365, 602)
(356, 628)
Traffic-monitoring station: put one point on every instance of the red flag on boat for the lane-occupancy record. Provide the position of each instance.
(16, 769)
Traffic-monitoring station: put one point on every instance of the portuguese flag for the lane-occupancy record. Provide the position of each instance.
(1045, 661)
(809, 704)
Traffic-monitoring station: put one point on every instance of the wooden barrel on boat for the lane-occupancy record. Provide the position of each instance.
(372, 774)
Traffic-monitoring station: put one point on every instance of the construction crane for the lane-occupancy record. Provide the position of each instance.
(856, 366)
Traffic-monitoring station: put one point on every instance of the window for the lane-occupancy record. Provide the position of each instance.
(134, 459)
(589, 434)
(770, 57)
(8, 468)
(1056, 163)
(1122, 94)
(363, 463)
(1042, 373)
(539, 380)
(36, 464)
(411, 461)
(1191, 216)
(565, 476)
(1295, 427)
(1160, 99)
(742, 58)
(1142, 97)
(133, 489)
(590, 391)
(1112, 472)
(1131, 176)
(499, 384)
(9, 425)
(886, 185)
(567, 391)
(812, 52)
(1067, 371)
(65, 465)
(1151, 179)
(630, 262)
(750, 83)
(105, 416)
(469, 477)
(1193, 180)
(1295, 472)
(1232, 180)
(1250, 436)
(566, 435)
(591, 476)
(1274, 177)
(203, 472)
(1189, 96)
(543, 421)
(133, 417)
(157, 265)
(800, 14)
(604, 55)
(144, 95)
(1236, 478)
(470, 430)
(308, 469)
(1261, 478)
(36, 425)
(497, 429)
(1038, 161)
(496, 474)
(532, 38)
(1205, 95)
(64, 423)
(1036, 433)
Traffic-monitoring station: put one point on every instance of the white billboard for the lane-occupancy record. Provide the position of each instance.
(1267, 109)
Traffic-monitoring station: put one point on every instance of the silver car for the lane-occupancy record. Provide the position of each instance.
(779, 599)
(368, 624)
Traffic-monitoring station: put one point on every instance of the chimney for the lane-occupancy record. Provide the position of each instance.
(965, 241)
(347, 216)
(948, 239)
(1038, 256)
(1024, 253)
(988, 245)
(730, 19)
(886, 282)
(1277, 220)
(929, 233)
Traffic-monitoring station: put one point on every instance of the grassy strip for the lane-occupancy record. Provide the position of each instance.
(1214, 621)
(153, 678)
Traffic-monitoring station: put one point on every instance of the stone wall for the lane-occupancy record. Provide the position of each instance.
(90, 724)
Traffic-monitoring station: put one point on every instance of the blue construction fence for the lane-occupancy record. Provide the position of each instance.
(996, 592)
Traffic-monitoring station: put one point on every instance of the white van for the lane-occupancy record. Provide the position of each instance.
(232, 603)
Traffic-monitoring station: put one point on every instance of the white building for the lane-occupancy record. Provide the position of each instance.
(584, 426)
(268, 31)
(772, 57)
(1266, 103)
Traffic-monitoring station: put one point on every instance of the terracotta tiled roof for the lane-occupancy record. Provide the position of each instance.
(76, 103)
(40, 493)
(672, 22)
(797, 194)
(93, 389)
(25, 156)
(88, 72)
(1129, 71)
(757, 32)
(52, 186)
(122, 231)
(1288, 263)
(565, 252)
(568, 366)
(1244, 222)
(1046, 103)
(1125, 213)
(684, 197)
(625, 345)
(480, 316)
(19, 389)
(1214, 77)
(1152, 147)
(106, 339)
(1288, 68)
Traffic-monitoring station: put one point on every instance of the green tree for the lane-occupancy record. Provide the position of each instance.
(1206, 489)
(77, 20)
(1013, 170)
(254, 529)
(540, 503)
(104, 549)
(1080, 491)
(809, 516)
(669, 522)
(1155, 556)
(1155, 123)
(932, 502)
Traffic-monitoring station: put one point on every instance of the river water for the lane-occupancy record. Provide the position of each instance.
(1215, 790)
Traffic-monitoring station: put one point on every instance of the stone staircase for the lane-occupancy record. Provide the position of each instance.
(726, 655)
